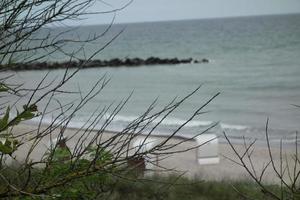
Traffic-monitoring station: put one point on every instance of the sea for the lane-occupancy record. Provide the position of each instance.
(254, 63)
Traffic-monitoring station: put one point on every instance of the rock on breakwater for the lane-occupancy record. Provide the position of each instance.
(115, 62)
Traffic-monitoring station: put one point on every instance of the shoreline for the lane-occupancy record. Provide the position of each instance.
(185, 162)
(261, 142)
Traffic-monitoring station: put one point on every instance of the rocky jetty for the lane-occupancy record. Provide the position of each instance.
(116, 62)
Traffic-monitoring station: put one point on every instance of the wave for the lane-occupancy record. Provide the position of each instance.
(233, 127)
(165, 127)
(168, 121)
(236, 133)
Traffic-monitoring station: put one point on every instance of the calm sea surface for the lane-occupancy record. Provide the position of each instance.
(254, 63)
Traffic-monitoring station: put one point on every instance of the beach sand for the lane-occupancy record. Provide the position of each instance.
(182, 163)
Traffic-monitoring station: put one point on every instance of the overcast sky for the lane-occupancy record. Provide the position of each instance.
(161, 10)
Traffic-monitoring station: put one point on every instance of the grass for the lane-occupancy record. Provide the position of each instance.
(151, 188)
(174, 188)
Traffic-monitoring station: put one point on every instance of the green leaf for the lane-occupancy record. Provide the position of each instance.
(61, 154)
(5, 149)
(4, 120)
(3, 88)
(27, 114)
(8, 146)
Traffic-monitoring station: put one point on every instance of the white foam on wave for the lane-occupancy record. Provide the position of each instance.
(175, 121)
(168, 121)
(120, 122)
(124, 120)
(45, 120)
(74, 123)
(233, 127)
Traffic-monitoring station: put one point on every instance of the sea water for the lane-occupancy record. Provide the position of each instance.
(254, 62)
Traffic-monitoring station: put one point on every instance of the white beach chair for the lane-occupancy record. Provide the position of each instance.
(141, 145)
(207, 153)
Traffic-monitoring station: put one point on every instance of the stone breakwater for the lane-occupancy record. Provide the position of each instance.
(115, 62)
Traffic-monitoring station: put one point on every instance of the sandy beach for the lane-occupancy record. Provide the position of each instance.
(181, 163)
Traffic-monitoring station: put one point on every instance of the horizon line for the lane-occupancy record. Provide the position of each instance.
(203, 18)
(177, 20)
